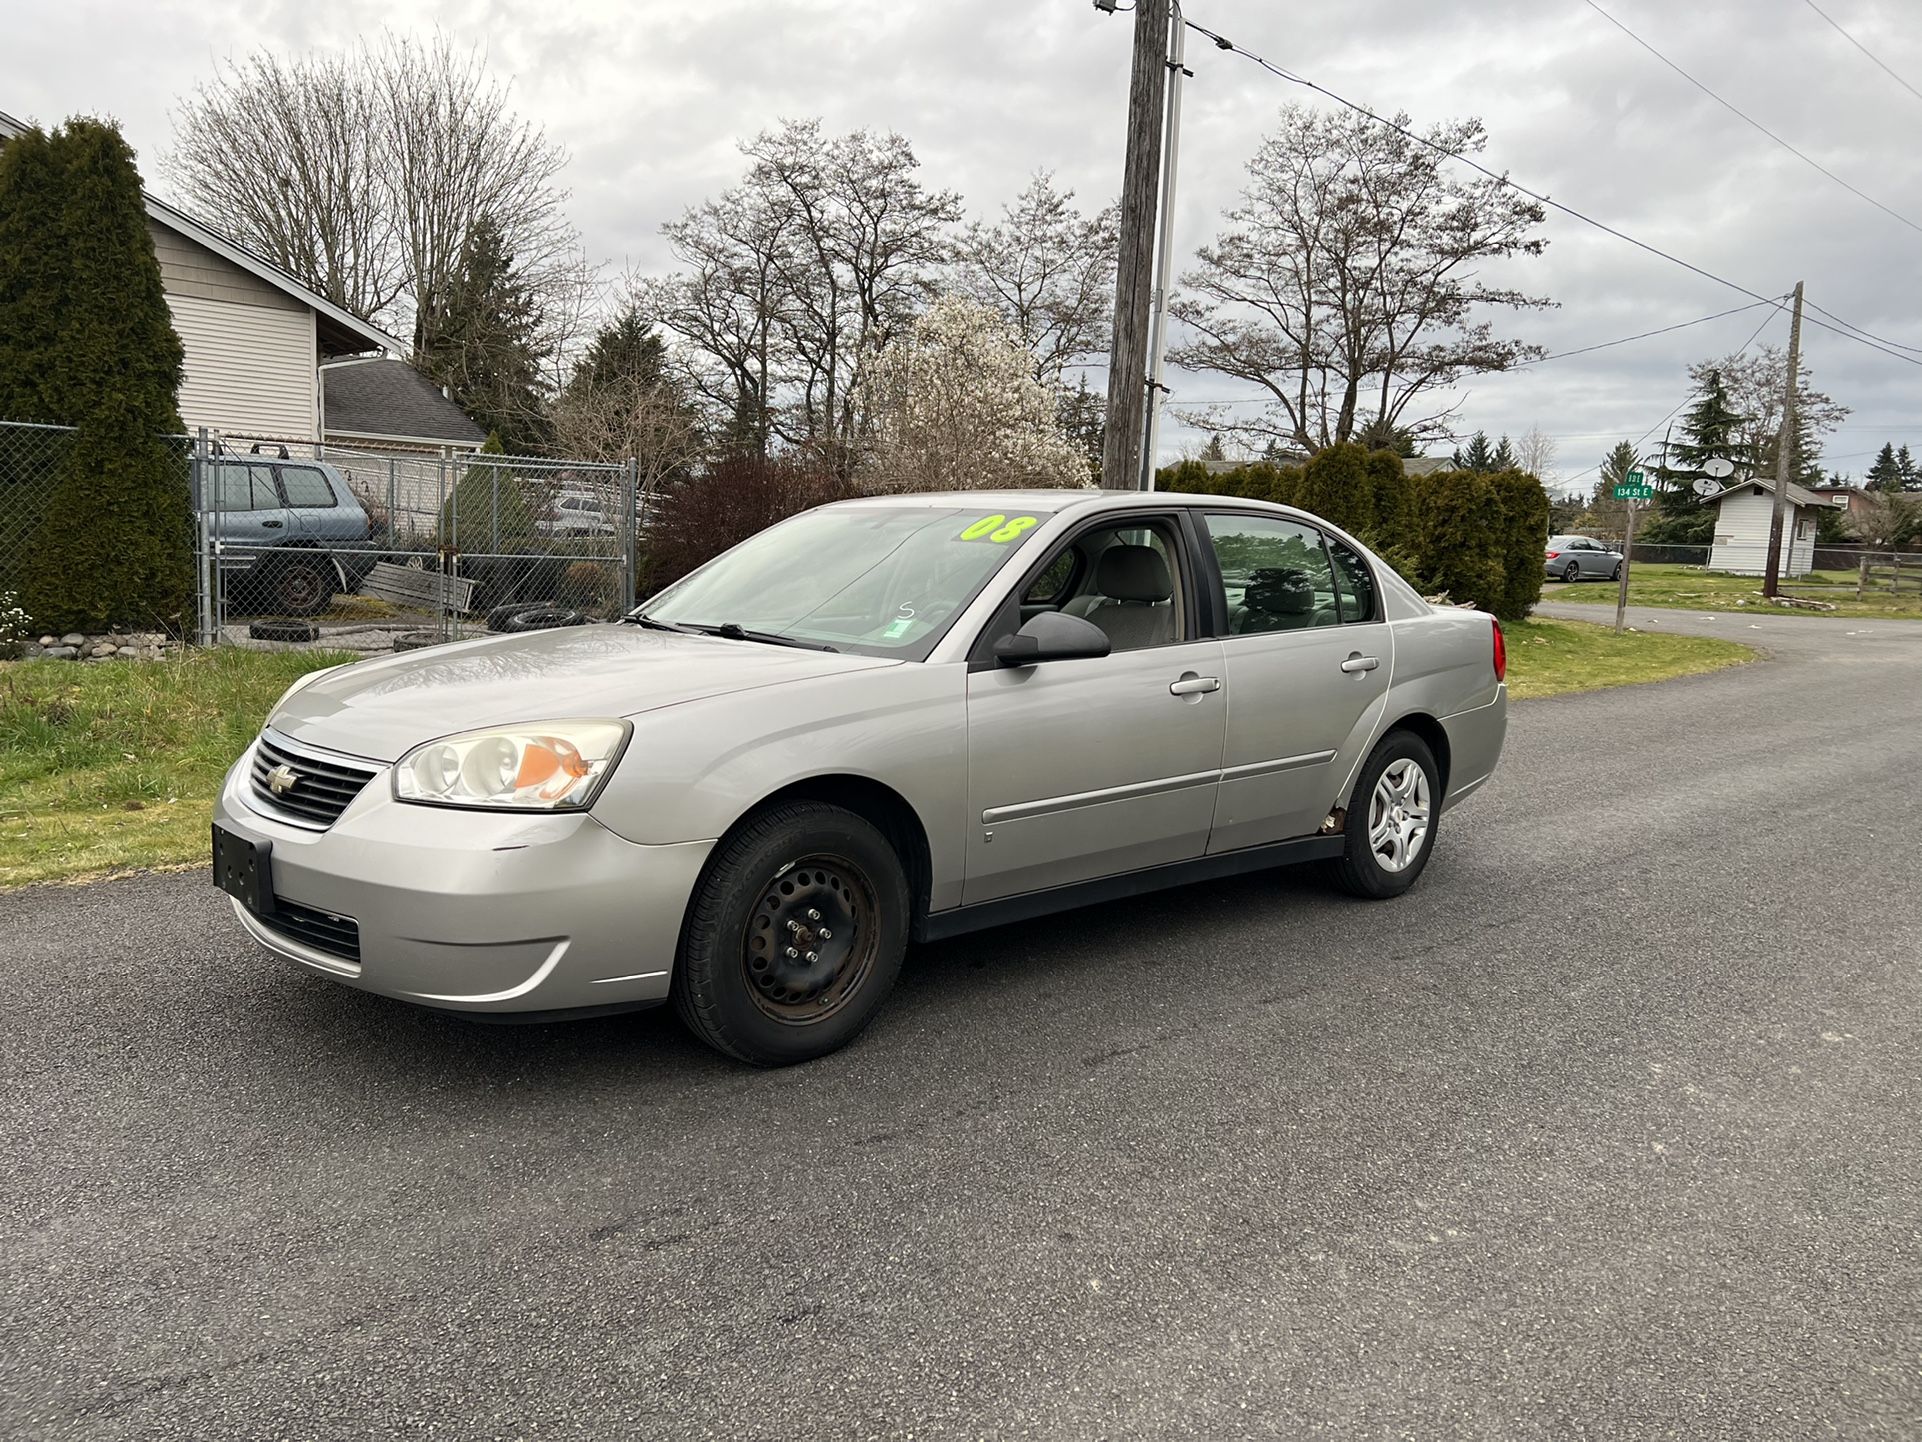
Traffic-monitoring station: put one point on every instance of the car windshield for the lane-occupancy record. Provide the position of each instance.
(882, 580)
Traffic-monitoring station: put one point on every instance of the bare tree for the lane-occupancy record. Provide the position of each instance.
(1755, 382)
(1535, 453)
(291, 159)
(365, 175)
(1049, 271)
(789, 283)
(1347, 282)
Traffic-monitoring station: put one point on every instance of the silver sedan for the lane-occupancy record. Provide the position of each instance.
(1579, 558)
(879, 721)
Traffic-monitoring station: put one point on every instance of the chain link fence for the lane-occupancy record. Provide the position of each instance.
(302, 542)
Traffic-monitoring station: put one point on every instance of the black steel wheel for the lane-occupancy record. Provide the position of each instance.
(300, 585)
(795, 935)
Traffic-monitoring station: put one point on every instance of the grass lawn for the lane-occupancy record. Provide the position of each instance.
(1691, 588)
(114, 764)
(1553, 658)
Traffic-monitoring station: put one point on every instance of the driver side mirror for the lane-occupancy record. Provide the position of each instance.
(1052, 636)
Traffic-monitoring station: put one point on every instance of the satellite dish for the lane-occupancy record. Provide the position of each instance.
(1717, 467)
(1706, 487)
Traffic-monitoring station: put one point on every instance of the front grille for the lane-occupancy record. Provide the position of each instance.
(322, 787)
(322, 930)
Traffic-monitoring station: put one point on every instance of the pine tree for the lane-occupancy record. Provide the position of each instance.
(1710, 430)
(1906, 468)
(484, 345)
(114, 545)
(627, 351)
(1082, 414)
(1886, 473)
(1214, 451)
(1385, 435)
(1504, 457)
(1477, 456)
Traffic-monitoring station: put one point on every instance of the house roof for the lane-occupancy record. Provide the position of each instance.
(1798, 495)
(388, 398)
(340, 329)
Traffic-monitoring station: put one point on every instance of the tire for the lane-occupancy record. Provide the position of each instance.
(498, 616)
(300, 585)
(283, 631)
(789, 870)
(1362, 870)
(1616, 574)
(1572, 572)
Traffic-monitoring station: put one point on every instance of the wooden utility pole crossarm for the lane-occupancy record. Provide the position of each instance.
(1134, 271)
(1784, 455)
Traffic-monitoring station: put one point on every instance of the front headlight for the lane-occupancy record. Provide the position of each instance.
(541, 766)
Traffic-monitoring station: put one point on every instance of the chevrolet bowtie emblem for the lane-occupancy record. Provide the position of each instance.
(282, 779)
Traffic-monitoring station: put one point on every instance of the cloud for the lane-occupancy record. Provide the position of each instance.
(651, 98)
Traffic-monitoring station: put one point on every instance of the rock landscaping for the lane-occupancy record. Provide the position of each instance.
(108, 646)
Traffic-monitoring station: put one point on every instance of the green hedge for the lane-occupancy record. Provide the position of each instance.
(1474, 537)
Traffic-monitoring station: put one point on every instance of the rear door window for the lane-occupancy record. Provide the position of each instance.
(1275, 574)
(307, 488)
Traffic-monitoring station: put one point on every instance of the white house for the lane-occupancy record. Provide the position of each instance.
(254, 336)
(1743, 516)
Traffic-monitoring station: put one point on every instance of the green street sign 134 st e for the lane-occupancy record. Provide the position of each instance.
(1634, 487)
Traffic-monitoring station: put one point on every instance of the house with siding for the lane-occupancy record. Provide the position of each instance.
(254, 336)
(1744, 515)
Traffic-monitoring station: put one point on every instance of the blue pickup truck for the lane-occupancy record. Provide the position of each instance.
(290, 532)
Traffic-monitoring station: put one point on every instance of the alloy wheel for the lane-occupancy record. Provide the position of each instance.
(1398, 815)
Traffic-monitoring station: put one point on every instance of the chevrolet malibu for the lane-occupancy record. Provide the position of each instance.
(881, 720)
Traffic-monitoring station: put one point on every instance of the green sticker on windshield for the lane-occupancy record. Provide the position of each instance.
(898, 628)
(1000, 529)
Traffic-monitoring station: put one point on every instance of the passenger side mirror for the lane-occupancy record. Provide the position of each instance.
(1052, 636)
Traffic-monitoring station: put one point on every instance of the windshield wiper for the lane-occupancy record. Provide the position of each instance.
(734, 631)
(641, 618)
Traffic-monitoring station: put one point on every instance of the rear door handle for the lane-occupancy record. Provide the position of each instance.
(1193, 685)
(271, 525)
(1358, 662)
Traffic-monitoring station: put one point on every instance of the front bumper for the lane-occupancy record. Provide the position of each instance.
(475, 911)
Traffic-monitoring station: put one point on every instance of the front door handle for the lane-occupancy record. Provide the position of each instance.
(271, 525)
(1193, 685)
(1358, 663)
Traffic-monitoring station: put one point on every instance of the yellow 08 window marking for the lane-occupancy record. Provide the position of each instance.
(1001, 529)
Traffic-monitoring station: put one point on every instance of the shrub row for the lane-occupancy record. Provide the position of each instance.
(1475, 537)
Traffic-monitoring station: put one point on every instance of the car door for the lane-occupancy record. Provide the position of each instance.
(248, 514)
(1088, 768)
(1308, 657)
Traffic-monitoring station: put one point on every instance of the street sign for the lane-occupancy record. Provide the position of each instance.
(1634, 491)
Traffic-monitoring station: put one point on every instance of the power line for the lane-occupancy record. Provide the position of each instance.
(1753, 338)
(1864, 49)
(1751, 120)
(1644, 335)
(1899, 345)
(1223, 43)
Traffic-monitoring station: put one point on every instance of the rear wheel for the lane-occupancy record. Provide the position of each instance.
(1390, 830)
(1572, 572)
(300, 585)
(795, 936)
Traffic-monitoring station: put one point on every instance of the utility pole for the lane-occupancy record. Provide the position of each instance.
(1134, 274)
(1784, 461)
(1165, 246)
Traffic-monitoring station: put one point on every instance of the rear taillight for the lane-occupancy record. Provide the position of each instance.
(1501, 651)
(1553, 554)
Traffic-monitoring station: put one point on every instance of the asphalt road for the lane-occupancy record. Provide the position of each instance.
(1611, 1128)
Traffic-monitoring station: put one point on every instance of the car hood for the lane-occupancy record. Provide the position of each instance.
(381, 709)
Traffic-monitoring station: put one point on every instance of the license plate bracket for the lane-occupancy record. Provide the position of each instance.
(243, 868)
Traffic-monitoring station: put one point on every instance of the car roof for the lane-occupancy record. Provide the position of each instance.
(1050, 500)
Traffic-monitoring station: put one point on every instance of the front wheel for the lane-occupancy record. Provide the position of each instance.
(1390, 829)
(1572, 572)
(1616, 574)
(795, 936)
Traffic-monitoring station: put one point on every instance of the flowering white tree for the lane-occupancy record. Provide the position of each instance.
(955, 406)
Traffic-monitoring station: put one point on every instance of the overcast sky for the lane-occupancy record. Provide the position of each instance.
(650, 98)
